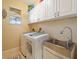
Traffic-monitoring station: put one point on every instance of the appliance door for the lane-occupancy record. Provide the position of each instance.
(29, 50)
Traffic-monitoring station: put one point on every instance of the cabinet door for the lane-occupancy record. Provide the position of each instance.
(49, 55)
(74, 6)
(50, 8)
(33, 16)
(65, 7)
(41, 11)
(38, 14)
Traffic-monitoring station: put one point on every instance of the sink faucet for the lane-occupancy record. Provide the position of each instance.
(69, 41)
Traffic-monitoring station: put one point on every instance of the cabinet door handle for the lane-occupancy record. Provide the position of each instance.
(58, 13)
(55, 14)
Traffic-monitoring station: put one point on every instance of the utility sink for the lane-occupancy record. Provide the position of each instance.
(60, 47)
(60, 43)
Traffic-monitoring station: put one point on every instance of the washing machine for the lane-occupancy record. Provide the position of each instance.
(33, 44)
(23, 43)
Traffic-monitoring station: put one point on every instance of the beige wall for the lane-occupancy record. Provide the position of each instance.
(11, 33)
(53, 28)
(37, 1)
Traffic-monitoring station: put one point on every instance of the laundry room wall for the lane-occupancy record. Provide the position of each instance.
(53, 28)
(37, 1)
(11, 33)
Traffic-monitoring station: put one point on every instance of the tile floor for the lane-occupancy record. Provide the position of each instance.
(12, 54)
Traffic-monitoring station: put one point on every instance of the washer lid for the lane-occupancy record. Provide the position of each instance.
(37, 34)
(29, 33)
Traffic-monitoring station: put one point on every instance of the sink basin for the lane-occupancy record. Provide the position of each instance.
(59, 47)
(60, 43)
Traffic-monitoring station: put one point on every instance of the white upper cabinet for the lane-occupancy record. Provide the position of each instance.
(74, 6)
(65, 7)
(38, 13)
(41, 12)
(33, 15)
(50, 8)
(56, 8)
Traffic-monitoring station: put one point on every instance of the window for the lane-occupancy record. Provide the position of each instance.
(15, 16)
(15, 20)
